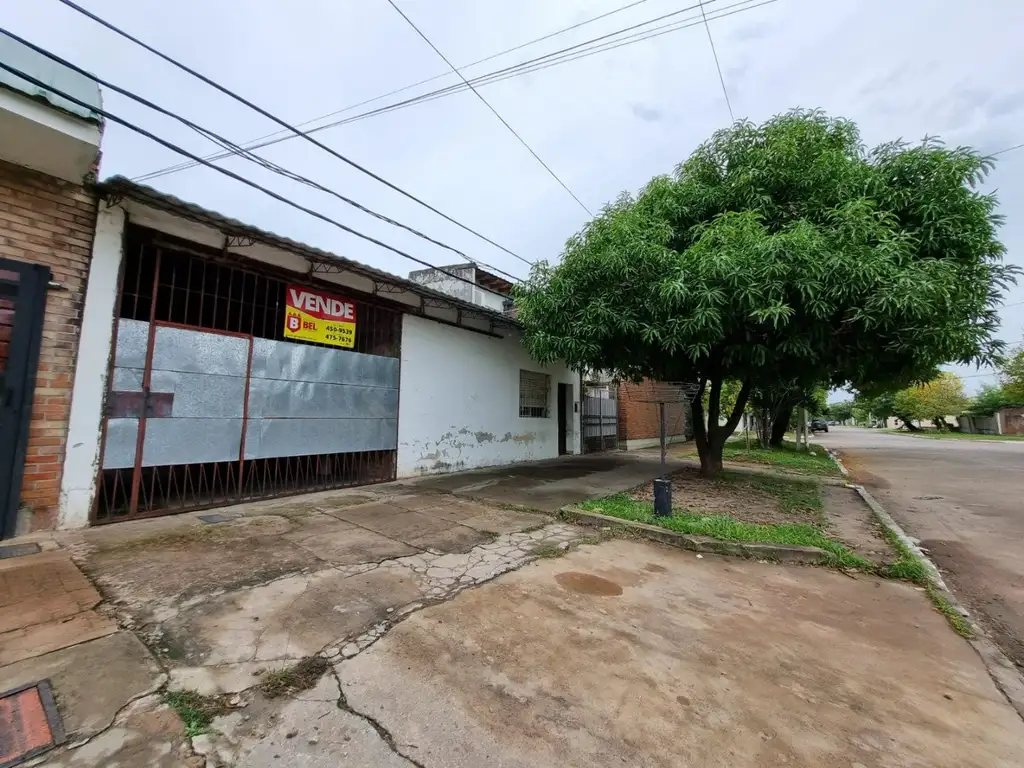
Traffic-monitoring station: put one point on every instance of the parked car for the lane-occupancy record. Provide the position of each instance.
(819, 425)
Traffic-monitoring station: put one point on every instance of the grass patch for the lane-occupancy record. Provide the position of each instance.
(195, 710)
(936, 435)
(728, 529)
(908, 566)
(959, 624)
(816, 461)
(548, 550)
(299, 677)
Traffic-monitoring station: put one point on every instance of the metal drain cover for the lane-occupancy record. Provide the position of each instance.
(29, 723)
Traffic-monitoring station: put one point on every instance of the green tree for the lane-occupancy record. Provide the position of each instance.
(1012, 377)
(776, 254)
(934, 400)
(989, 400)
(841, 411)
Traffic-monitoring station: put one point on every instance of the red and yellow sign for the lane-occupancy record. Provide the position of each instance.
(316, 316)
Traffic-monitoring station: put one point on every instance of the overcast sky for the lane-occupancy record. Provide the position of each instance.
(604, 123)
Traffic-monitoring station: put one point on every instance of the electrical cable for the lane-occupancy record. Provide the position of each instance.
(230, 174)
(279, 136)
(718, 66)
(282, 123)
(488, 104)
(227, 143)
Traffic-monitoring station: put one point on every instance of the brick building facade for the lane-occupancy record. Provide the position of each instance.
(45, 220)
(638, 417)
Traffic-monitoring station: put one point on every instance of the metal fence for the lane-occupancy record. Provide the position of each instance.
(599, 418)
(209, 404)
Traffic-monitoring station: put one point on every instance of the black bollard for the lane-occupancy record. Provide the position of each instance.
(662, 497)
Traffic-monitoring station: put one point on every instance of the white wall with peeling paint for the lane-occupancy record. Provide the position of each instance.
(459, 402)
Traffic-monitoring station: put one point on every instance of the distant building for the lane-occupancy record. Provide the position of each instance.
(470, 283)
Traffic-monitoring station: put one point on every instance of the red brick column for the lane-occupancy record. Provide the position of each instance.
(638, 418)
(44, 220)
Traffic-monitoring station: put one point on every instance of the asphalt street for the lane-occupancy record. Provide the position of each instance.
(964, 499)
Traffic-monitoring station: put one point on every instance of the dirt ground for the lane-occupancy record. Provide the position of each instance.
(742, 497)
(628, 653)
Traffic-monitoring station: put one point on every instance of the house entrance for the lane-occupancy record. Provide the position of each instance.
(22, 303)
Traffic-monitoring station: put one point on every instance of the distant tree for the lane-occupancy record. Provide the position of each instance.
(779, 253)
(1012, 377)
(942, 396)
(990, 398)
(841, 411)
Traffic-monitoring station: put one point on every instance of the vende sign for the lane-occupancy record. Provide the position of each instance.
(313, 315)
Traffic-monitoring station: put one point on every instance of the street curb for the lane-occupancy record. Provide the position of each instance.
(777, 552)
(1004, 673)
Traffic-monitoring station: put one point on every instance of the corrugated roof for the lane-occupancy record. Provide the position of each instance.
(119, 186)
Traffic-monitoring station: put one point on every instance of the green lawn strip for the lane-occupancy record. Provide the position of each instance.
(727, 529)
(785, 457)
(793, 495)
(935, 435)
(959, 624)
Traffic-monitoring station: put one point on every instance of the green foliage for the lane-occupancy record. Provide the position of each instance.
(195, 710)
(990, 399)
(841, 411)
(942, 396)
(727, 529)
(781, 252)
(1012, 378)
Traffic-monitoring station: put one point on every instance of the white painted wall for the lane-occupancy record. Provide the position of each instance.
(94, 348)
(459, 402)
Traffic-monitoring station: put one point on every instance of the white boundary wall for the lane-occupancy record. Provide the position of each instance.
(459, 402)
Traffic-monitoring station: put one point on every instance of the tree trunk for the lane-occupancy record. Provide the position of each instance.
(781, 424)
(909, 424)
(708, 435)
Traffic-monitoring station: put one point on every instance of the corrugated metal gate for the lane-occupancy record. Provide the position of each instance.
(599, 418)
(209, 405)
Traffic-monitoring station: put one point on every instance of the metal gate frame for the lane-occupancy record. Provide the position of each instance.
(594, 417)
(26, 290)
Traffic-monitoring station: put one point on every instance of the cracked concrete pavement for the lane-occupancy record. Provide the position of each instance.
(457, 632)
(221, 606)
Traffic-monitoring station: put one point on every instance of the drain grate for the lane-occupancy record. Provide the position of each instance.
(17, 550)
(216, 517)
(29, 723)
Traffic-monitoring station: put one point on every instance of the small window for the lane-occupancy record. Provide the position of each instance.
(533, 394)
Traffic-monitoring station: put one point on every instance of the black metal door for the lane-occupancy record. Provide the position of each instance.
(563, 412)
(22, 302)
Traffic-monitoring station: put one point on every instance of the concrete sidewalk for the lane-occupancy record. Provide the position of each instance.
(550, 485)
(441, 649)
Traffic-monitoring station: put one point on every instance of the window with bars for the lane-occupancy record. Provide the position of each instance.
(533, 394)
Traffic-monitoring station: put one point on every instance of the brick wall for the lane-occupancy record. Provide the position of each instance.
(638, 420)
(1012, 420)
(44, 220)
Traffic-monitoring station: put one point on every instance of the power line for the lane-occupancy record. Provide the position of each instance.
(282, 123)
(224, 171)
(286, 135)
(227, 143)
(490, 107)
(270, 138)
(1008, 149)
(714, 52)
